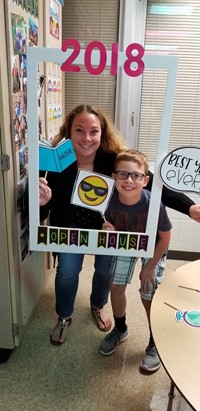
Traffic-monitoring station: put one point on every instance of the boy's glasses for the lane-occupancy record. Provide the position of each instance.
(123, 175)
(99, 191)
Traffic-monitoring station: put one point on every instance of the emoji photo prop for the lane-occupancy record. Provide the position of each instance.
(180, 169)
(95, 57)
(92, 190)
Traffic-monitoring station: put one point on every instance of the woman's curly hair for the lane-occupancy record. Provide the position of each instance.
(111, 139)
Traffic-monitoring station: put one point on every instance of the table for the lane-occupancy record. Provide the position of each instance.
(178, 343)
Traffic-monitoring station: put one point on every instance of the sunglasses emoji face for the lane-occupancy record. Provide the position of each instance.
(92, 190)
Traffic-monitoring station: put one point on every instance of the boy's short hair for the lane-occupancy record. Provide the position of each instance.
(134, 156)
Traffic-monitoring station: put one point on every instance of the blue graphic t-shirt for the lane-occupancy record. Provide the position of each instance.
(134, 217)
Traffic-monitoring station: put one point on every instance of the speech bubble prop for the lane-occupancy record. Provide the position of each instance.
(180, 169)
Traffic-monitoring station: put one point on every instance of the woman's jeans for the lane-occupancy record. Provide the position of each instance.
(67, 279)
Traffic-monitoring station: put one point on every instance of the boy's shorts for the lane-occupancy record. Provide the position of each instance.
(122, 269)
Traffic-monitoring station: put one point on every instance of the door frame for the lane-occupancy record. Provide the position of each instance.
(6, 321)
(10, 302)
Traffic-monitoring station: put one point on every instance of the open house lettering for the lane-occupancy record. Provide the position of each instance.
(78, 238)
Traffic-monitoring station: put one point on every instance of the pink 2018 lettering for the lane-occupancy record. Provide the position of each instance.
(133, 65)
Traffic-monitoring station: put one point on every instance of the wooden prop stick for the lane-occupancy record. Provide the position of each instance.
(104, 218)
(171, 306)
(189, 288)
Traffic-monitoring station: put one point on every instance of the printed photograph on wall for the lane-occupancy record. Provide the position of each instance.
(33, 33)
(22, 65)
(19, 32)
(54, 18)
(15, 74)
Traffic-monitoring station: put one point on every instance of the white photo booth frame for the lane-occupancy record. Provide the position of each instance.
(56, 239)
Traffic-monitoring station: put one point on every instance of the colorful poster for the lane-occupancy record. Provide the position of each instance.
(54, 19)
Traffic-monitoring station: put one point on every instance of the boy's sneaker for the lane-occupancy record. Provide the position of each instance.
(151, 361)
(110, 343)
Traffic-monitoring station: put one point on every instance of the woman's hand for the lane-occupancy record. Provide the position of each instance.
(194, 212)
(108, 226)
(44, 192)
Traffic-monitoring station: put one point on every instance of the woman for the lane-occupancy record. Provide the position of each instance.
(96, 143)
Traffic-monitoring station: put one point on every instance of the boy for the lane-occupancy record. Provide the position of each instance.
(128, 211)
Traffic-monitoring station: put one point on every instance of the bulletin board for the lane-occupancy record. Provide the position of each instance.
(23, 33)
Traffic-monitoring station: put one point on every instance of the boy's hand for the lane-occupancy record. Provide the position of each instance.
(147, 277)
(108, 226)
(44, 192)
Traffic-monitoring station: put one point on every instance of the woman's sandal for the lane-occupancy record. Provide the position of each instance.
(97, 316)
(64, 322)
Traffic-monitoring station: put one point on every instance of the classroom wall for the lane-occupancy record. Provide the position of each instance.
(185, 232)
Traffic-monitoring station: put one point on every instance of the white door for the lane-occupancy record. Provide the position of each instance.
(21, 282)
(6, 336)
(8, 265)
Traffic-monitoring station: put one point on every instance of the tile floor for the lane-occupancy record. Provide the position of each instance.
(74, 376)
